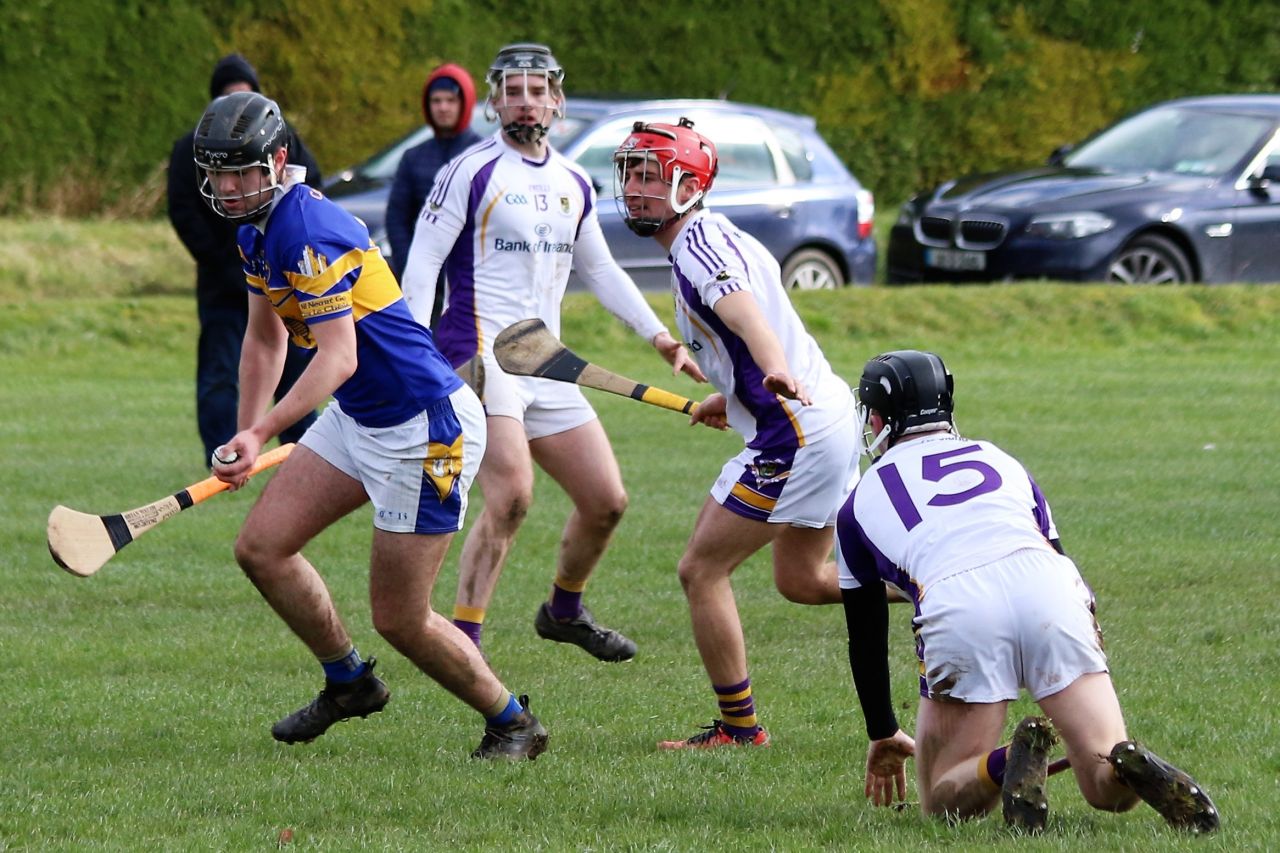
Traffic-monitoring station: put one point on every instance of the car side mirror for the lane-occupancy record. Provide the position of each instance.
(1060, 153)
(1270, 175)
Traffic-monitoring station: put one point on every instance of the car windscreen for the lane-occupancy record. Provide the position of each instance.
(382, 166)
(1173, 139)
(745, 158)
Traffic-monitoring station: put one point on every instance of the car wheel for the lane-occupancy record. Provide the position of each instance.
(1150, 259)
(812, 269)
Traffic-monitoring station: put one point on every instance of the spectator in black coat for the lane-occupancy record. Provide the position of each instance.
(448, 99)
(221, 299)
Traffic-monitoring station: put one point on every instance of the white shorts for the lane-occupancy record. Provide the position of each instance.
(417, 473)
(544, 406)
(1023, 621)
(802, 486)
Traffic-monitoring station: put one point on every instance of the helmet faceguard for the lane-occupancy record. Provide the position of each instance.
(239, 136)
(649, 168)
(526, 91)
(912, 391)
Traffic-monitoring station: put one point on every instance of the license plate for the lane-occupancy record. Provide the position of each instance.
(956, 259)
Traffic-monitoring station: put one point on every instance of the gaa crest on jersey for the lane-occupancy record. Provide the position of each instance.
(443, 465)
(768, 471)
(566, 205)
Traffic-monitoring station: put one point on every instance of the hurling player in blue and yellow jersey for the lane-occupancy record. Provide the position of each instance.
(403, 433)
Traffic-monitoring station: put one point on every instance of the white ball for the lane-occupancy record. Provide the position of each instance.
(229, 458)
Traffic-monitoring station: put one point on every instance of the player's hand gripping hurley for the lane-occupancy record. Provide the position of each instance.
(528, 348)
(81, 543)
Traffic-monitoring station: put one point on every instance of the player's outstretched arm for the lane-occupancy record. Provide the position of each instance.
(887, 768)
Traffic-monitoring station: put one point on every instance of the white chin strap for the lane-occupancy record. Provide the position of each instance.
(870, 449)
(676, 174)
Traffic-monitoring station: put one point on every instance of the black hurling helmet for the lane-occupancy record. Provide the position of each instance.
(911, 390)
(237, 133)
(520, 61)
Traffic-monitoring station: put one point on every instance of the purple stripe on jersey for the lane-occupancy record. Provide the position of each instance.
(586, 202)
(898, 495)
(457, 331)
(865, 561)
(774, 428)
(746, 268)
(702, 251)
(1041, 510)
(441, 187)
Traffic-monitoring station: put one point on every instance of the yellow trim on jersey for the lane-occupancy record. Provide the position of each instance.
(753, 498)
(377, 287)
(706, 333)
(257, 283)
(468, 614)
(484, 219)
(795, 424)
(321, 279)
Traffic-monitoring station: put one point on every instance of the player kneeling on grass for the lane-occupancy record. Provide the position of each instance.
(403, 432)
(774, 387)
(1005, 610)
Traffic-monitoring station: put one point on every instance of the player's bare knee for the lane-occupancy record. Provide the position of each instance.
(792, 589)
(694, 572)
(397, 626)
(605, 515)
(800, 587)
(252, 555)
(948, 802)
(509, 511)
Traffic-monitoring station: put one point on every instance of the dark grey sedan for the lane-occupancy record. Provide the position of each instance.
(778, 181)
(1186, 190)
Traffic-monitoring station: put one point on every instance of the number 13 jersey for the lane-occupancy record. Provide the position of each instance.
(935, 507)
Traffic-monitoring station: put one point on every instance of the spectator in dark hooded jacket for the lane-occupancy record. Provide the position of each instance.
(221, 300)
(448, 98)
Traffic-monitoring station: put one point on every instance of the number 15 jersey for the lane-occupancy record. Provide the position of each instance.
(934, 507)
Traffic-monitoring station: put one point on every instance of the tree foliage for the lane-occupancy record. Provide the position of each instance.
(908, 92)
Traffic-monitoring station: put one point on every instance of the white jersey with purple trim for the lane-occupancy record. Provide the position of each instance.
(507, 230)
(936, 506)
(710, 259)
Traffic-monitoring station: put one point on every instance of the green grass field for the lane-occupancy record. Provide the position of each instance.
(138, 701)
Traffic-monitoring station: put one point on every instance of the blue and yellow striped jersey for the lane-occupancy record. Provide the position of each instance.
(315, 262)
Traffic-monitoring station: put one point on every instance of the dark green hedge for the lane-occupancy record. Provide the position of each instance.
(907, 91)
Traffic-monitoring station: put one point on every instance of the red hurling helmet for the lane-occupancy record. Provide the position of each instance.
(669, 153)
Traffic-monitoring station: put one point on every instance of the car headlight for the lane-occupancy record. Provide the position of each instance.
(1069, 226)
(907, 215)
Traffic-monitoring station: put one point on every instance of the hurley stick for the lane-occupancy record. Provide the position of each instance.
(528, 348)
(81, 543)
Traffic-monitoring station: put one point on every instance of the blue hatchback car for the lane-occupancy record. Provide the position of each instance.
(1185, 190)
(778, 181)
